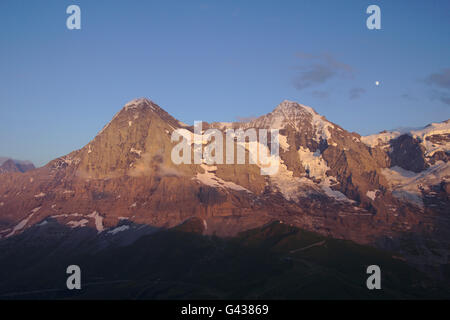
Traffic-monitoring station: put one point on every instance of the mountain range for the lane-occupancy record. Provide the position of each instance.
(388, 191)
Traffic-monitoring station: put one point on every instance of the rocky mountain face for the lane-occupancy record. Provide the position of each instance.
(11, 165)
(418, 168)
(384, 190)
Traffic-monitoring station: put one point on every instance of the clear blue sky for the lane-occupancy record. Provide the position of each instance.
(216, 61)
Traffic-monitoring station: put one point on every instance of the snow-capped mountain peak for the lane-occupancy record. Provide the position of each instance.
(295, 115)
(139, 103)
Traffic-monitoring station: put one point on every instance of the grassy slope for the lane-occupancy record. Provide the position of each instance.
(274, 262)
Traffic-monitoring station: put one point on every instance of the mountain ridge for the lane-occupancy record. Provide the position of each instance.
(13, 165)
(330, 181)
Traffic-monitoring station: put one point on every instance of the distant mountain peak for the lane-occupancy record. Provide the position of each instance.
(13, 165)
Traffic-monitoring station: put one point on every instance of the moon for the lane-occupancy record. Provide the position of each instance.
(377, 83)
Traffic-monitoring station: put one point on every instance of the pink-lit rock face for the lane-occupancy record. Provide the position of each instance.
(330, 181)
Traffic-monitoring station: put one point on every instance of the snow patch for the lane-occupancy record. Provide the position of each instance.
(372, 194)
(321, 125)
(314, 164)
(289, 186)
(293, 188)
(78, 224)
(209, 178)
(22, 223)
(98, 220)
(35, 210)
(5, 230)
(407, 185)
(133, 104)
(337, 195)
(431, 129)
(40, 195)
(65, 215)
(136, 151)
(118, 229)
